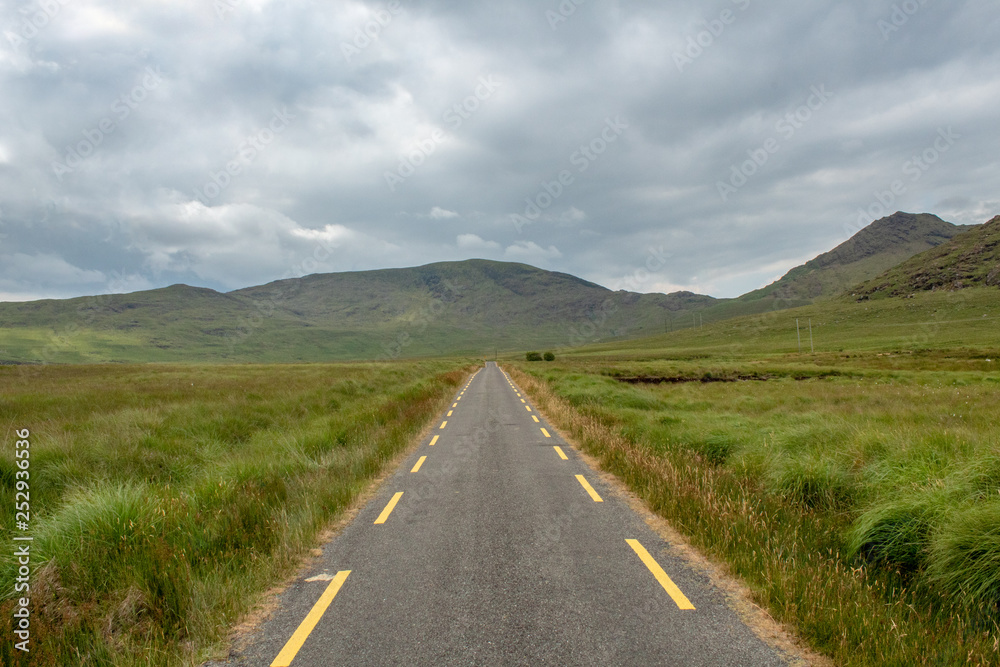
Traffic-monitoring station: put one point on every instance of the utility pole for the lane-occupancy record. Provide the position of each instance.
(798, 333)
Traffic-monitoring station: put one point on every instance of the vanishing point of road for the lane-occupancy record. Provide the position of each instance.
(494, 544)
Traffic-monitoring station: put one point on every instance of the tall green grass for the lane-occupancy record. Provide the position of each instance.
(165, 500)
(861, 505)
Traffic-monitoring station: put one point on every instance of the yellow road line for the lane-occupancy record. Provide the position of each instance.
(388, 508)
(528, 408)
(305, 628)
(669, 586)
(536, 419)
(546, 433)
(523, 401)
(434, 440)
(451, 412)
(561, 453)
(586, 485)
(455, 405)
(443, 424)
(420, 462)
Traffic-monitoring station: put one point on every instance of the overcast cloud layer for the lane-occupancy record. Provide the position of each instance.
(226, 143)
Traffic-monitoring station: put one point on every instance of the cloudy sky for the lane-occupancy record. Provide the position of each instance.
(226, 143)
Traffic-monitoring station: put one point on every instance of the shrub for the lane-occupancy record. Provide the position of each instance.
(549, 356)
(894, 531)
(964, 556)
(533, 356)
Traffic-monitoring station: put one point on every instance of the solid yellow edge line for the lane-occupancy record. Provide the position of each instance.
(589, 489)
(420, 462)
(305, 628)
(561, 453)
(388, 508)
(434, 440)
(668, 585)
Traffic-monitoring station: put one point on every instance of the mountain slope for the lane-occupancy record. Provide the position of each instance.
(467, 307)
(971, 259)
(470, 307)
(878, 247)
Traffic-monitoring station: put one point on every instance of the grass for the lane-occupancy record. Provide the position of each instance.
(856, 490)
(166, 499)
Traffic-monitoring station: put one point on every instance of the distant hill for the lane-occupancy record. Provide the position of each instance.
(878, 247)
(970, 259)
(470, 307)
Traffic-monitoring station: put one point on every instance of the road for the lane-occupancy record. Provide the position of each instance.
(494, 544)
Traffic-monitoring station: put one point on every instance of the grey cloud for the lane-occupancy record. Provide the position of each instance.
(127, 214)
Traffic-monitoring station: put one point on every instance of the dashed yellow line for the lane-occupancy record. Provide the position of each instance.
(528, 408)
(388, 508)
(668, 585)
(561, 453)
(434, 440)
(536, 419)
(451, 412)
(444, 423)
(589, 489)
(305, 628)
(546, 433)
(420, 462)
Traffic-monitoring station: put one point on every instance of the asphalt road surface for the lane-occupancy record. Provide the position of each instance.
(494, 544)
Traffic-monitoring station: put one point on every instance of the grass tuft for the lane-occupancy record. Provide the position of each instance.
(964, 557)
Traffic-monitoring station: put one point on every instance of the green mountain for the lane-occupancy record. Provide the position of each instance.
(878, 247)
(971, 259)
(471, 307)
